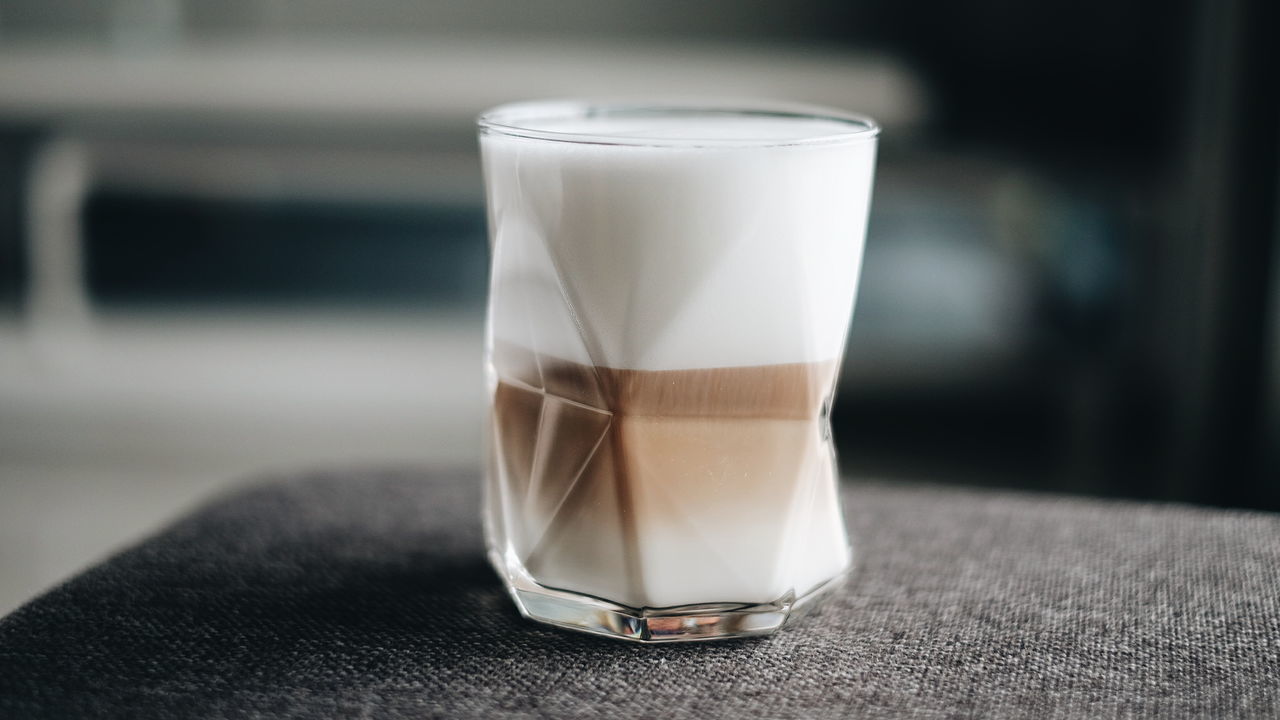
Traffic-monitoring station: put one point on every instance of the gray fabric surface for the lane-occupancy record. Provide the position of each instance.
(365, 594)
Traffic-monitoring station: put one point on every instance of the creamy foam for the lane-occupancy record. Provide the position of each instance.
(677, 256)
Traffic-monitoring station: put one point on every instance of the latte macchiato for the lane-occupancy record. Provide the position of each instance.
(669, 300)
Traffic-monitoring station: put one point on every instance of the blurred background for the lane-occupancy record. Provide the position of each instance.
(245, 236)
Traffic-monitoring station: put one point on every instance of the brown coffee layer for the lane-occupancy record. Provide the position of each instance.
(664, 457)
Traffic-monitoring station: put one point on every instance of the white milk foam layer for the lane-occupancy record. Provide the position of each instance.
(671, 256)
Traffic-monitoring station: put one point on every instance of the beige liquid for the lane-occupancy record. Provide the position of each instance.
(663, 488)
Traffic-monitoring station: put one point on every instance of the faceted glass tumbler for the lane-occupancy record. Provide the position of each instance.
(670, 292)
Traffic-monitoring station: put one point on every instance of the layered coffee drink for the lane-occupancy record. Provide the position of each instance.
(669, 298)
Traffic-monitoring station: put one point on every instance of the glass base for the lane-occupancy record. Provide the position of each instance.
(684, 623)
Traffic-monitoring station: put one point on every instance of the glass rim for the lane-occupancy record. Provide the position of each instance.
(507, 120)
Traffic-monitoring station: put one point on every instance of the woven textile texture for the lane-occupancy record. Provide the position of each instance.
(366, 594)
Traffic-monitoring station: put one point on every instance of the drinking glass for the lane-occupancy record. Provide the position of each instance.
(670, 292)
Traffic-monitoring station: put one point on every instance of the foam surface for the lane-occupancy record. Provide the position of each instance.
(761, 128)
